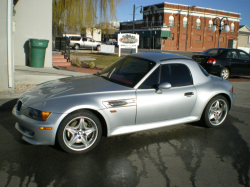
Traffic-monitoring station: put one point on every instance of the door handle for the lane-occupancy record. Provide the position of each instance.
(189, 94)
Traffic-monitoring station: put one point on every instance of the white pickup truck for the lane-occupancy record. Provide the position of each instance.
(81, 42)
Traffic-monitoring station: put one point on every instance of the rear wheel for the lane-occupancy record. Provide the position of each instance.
(79, 132)
(224, 73)
(77, 46)
(216, 111)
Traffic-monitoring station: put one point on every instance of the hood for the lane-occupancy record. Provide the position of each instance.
(69, 87)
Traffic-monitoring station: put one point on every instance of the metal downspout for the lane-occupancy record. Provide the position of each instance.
(9, 43)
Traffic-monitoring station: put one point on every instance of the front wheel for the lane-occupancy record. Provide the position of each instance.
(98, 48)
(79, 132)
(216, 111)
(224, 73)
(77, 46)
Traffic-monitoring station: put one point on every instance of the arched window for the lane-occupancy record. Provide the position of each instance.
(153, 21)
(232, 27)
(210, 24)
(184, 22)
(171, 21)
(222, 26)
(160, 20)
(198, 23)
(146, 22)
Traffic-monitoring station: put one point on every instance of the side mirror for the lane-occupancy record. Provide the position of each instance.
(163, 86)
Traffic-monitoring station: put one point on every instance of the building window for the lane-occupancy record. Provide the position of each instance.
(146, 22)
(160, 21)
(171, 21)
(153, 21)
(184, 22)
(198, 23)
(232, 27)
(197, 37)
(249, 39)
(210, 24)
(210, 38)
(221, 39)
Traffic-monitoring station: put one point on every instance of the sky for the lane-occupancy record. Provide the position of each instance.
(125, 9)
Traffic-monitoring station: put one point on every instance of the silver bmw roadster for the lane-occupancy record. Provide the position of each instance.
(139, 92)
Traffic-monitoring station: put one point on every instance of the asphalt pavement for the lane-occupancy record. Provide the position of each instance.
(186, 155)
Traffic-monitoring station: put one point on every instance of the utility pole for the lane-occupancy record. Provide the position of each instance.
(187, 27)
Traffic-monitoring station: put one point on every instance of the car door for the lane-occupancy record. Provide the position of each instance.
(245, 58)
(84, 40)
(236, 65)
(88, 43)
(176, 102)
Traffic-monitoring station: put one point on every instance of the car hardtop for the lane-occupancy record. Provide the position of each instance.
(159, 57)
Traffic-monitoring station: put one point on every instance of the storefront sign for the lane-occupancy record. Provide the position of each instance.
(128, 41)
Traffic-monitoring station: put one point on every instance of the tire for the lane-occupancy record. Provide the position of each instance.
(77, 46)
(216, 111)
(98, 48)
(224, 73)
(79, 132)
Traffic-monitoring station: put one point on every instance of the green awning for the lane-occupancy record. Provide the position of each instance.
(165, 34)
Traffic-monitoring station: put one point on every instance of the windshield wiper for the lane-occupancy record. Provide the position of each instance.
(105, 77)
(97, 74)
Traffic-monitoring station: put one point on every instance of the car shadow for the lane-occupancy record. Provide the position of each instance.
(7, 120)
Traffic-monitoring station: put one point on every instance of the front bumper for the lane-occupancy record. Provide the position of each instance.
(29, 128)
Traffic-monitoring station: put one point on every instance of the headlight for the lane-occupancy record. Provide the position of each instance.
(37, 114)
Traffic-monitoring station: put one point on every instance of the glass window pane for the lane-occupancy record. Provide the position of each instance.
(152, 81)
(127, 71)
(232, 54)
(244, 56)
(176, 74)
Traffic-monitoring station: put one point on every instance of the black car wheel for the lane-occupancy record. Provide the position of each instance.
(77, 46)
(79, 132)
(224, 73)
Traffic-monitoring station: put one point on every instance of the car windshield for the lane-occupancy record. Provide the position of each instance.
(212, 52)
(128, 71)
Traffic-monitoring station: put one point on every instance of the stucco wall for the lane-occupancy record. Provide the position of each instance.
(243, 40)
(33, 19)
(3, 47)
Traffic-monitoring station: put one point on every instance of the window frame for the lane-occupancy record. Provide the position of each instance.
(171, 21)
(184, 21)
(198, 23)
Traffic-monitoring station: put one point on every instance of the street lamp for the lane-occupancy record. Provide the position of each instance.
(134, 16)
(187, 27)
(218, 22)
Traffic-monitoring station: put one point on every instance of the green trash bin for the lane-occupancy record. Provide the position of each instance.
(37, 52)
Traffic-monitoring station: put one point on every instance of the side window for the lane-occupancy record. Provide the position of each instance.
(232, 54)
(151, 81)
(244, 56)
(84, 39)
(213, 52)
(176, 74)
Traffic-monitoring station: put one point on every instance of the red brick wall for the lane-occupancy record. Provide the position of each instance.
(198, 39)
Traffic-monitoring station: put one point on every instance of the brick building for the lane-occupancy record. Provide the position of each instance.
(164, 26)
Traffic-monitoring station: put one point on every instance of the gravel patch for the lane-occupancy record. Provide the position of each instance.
(19, 88)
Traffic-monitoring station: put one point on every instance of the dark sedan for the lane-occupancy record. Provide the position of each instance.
(224, 62)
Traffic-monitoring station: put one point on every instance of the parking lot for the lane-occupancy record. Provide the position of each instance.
(182, 155)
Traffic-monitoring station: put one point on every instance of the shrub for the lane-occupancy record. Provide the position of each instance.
(91, 65)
